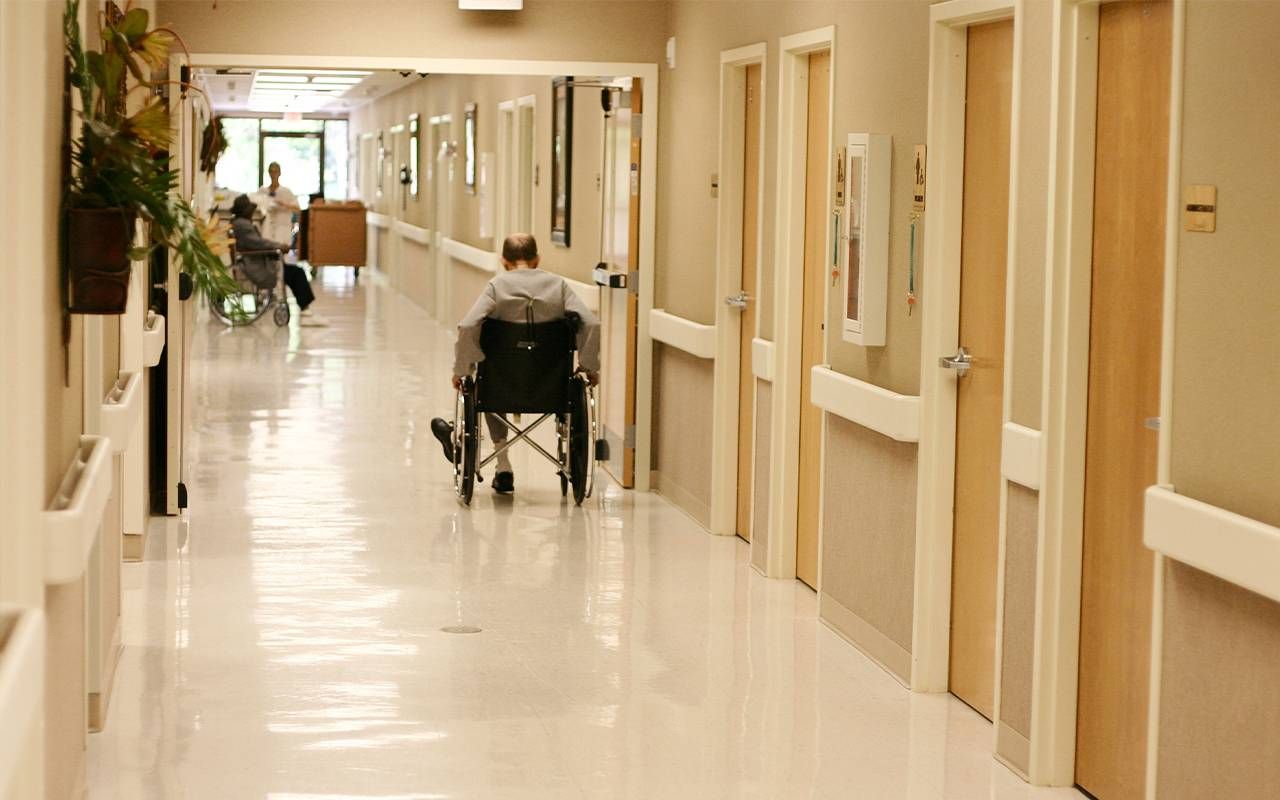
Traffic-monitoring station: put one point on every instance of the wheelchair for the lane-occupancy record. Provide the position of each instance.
(259, 275)
(529, 368)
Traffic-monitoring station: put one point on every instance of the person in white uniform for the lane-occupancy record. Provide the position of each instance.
(284, 204)
(509, 297)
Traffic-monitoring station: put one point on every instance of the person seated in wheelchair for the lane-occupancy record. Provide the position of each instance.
(261, 259)
(524, 294)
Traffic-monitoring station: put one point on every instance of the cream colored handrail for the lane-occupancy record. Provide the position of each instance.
(73, 519)
(121, 409)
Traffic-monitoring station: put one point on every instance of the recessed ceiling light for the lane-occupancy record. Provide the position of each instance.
(335, 79)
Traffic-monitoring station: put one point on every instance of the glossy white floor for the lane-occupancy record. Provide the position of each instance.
(287, 643)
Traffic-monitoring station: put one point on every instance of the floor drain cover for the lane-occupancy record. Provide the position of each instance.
(460, 629)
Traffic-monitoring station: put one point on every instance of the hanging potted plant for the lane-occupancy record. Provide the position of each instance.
(119, 170)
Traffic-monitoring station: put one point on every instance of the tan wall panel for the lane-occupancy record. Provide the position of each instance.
(1027, 268)
(1018, 639)
(468, 283)
(869, 527)
(1219, 698)
(1226, 373)
(682, 430)
(760, 515)
(65, 716)
(417, 284)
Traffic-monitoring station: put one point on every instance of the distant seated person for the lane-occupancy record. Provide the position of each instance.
(284, 204)
(250, 240)
(508, 298)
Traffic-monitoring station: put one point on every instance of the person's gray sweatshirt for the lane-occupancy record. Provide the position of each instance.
(507, 297)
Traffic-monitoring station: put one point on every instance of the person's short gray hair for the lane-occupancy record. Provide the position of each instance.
(520, 247)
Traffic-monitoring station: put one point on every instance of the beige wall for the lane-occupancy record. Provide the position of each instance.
(544, 30)
(881, 82)
(436, 95)
(1226, 371)
(1220, 695)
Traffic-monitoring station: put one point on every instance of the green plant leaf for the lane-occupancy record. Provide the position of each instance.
(134, 24)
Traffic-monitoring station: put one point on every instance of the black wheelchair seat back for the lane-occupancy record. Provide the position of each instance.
(527, 366)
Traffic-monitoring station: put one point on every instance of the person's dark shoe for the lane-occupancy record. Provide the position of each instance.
(504, 483)
(443, 431)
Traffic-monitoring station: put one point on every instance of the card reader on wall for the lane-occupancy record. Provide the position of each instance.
(603, 276)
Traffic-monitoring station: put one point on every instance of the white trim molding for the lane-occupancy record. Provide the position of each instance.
(683, 334)
(873, 407)
(788, 292)
(121, 409)
(153, 339)
(1230, 546)
(762, 359)
(412, 232)
(377, 220)
(73, 519)
(1020, 461)
(473, 256)
(21, 684)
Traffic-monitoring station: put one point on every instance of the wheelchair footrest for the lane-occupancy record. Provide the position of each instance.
(602, 450)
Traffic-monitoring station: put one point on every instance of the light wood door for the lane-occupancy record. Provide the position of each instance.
(619, 307)
(980, 392)
(750, 255)
(1134, 41)
(817, 209)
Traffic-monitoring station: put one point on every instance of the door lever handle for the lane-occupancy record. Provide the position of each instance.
(961, 362)
(738, 300)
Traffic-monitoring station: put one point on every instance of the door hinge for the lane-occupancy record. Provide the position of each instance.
(182, 495)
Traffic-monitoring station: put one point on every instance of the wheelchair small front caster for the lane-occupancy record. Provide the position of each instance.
(281, 315)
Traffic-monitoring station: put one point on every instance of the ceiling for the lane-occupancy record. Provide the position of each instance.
(275, 91)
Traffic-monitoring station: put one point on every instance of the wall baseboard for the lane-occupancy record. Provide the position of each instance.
(887, 413)
(1020, 455)
(895, 659)
(1235, 548)
(1013, 750)
(681, 498)
(692, 337)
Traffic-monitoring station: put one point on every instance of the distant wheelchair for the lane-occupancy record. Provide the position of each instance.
(259, 277)
(529, 368)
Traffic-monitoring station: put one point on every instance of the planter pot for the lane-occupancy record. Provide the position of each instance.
(98, 243)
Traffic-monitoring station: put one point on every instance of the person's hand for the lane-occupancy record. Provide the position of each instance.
(593, 378)
(457, 383)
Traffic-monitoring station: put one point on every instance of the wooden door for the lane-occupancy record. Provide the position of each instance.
(980, 392)
(619, 307)
(747, 332)
(817, 209)
(1134, 41)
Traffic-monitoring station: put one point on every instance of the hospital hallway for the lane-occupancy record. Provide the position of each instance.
(291, 637)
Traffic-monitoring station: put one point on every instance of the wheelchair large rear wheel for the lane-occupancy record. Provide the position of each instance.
(466, 442)
(562, 441)
(579, 439)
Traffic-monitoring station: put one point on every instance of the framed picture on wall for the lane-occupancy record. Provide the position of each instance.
(469, 148)
(561, 158)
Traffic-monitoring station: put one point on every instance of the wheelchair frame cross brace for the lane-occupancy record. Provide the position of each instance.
(523, 433)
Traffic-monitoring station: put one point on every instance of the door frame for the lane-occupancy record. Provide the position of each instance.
(440, 127)
(1055, 669)
(728, 356)
(940, 330)
(788, 298)
(645, 71)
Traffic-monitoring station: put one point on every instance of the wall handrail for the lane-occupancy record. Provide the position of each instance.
(21, 682)
(885, 412)
(762, 359)
(485, 260)
(414, 233)
(692, 337)
(377, 220)
(1233, 547)
(152, 339)
(121, 409)
(73, 519)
